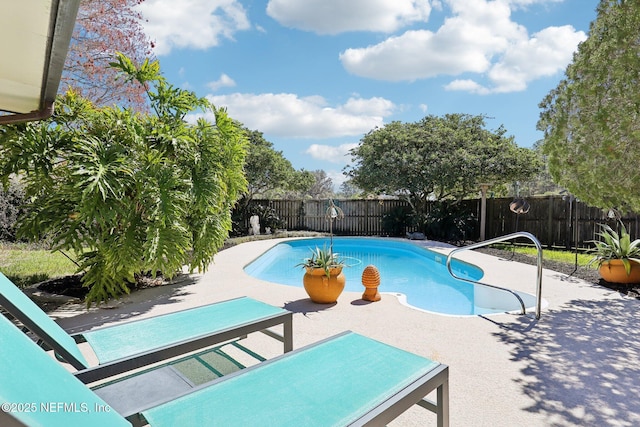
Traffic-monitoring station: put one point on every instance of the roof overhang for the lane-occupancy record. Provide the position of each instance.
(36, 36)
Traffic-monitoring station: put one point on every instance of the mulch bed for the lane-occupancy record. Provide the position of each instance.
(70, 286)
(586, 274)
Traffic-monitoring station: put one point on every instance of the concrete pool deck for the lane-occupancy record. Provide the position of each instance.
(578, 365)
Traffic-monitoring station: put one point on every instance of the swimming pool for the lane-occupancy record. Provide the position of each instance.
(417, 275)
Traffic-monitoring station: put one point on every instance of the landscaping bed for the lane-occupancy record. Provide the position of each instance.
(584, 273)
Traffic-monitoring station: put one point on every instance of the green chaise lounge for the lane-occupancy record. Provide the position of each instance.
(345, 380)
(127, 346)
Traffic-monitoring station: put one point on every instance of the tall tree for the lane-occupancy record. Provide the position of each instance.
(322, 187)
(591, 120)
(348, 190)
(129, 192)
(542, 183)
(267, 170)
(438, 158)
(269, 173)
(102, 27)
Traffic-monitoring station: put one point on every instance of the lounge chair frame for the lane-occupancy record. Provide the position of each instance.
(286, 384)
(384, 412)
(117, 367)
(18, 306)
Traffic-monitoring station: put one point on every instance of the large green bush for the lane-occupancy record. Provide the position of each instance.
(447, 222)
(396, 221)
(11, 201)
(128, 192)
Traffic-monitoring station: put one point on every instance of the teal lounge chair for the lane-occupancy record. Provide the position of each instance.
(345, 380)
(131, 345)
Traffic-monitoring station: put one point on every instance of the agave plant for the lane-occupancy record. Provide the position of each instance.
(615, 246)
(323, 258)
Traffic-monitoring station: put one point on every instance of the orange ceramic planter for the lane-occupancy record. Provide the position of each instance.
(613, 271)
(322, 289)
(371, 281)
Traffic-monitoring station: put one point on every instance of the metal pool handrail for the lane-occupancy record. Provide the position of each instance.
(502, 239)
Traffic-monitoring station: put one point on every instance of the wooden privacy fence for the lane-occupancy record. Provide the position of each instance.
(361, 217)
(555, 221)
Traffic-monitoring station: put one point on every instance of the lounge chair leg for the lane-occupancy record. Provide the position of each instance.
(443, 404)
(287, 332)
(286, 337)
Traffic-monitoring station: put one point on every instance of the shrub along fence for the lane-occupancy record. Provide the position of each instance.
(555, 221)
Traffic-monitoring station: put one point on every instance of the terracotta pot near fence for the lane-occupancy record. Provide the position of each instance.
(613, 272)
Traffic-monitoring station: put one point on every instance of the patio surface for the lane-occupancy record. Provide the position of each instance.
(578, 365)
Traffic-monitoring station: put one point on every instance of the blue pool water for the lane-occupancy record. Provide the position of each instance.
(418, 273)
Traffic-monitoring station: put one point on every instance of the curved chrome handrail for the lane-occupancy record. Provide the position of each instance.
(502, 239)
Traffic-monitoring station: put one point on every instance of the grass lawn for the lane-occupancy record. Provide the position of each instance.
(550, 254)
(25, 266)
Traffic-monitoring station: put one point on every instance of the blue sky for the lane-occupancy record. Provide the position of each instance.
(316, 75)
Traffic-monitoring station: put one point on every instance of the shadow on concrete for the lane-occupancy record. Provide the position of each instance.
(581, 362)
(76, 317)
(360, 301)
(306, 306)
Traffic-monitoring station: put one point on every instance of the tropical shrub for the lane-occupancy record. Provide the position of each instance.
(269, 218)
(323, 258)
(11, 201)
(129, 193)
(447, 222)
(615, 245)
(395, 222)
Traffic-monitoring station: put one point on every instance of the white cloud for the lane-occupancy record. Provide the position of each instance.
(290, 116)
(465, 43)
(544, 54)
(478, 38)
(194, 24)
(330, 153)
(411, 56)
(338, 16)
(223, 81)
(379, 107)
(467, 86)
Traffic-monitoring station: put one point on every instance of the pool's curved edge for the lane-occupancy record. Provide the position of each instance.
(278, 242)
(402, 299)
(440, 257)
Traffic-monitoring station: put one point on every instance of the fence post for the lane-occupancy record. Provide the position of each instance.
(491, 215)
(483, 211)
(550, 222)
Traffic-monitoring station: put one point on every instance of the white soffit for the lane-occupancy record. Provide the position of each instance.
(24, 29)
(35, 38)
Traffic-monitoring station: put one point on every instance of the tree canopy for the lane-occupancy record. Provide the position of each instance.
(129, 193)
(268, 172)
(438, 158)
(101, 28)
(322, 187)
(591, 119)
